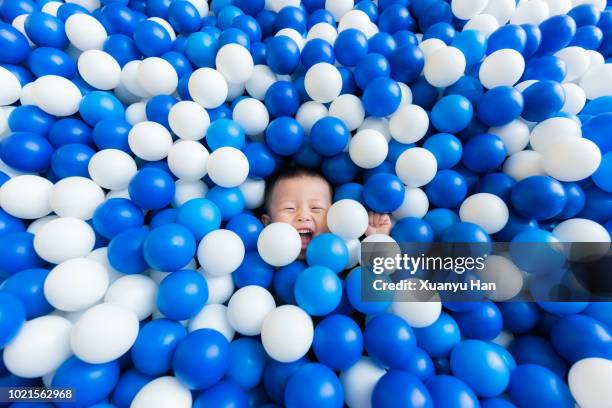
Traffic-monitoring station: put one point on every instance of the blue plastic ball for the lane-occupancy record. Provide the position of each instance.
(399, 388)
(536, 350)
(381, 97)
(12, 317)
(557, 32)
(500, 106)
(446, 148)
(543, 100)
(28, 286)
(182, 294)
(284, 136)
(201, 358)
(112, 134)
(534, 385)
(481, 367)
(499, 184)
(91, 382)
(201, 49)
(576, 337)
(152, 39)
(316, 51)
(284, 280)
(370, 67)
(452, 113)
(247, 227)
(472, 43)
(253, 271)
(223, 133)
(169, 247)
(439, 338)
(151, 188)
(439, 219)
(125, 251)
(247, 359)
(155, 345)
(338, 342)
(200, 216)
(116, 215)
(350, 47)
(26, 151)
(465, 232)
(249, 26)
(483, 153)
(122, 48)
(328, 250)
(384, 193)
(447, 189)
(382, 43)
(158, 108)
(29, 118)
(97, 106)
(314, 385)
(389, 339)
(353, 292)
(130, 382)
(538, 197)
(547, 67)
(451, 392)
(71, 160)
(291, 17)
(116, 18)
(13, 43)
(45, 30)
(482, 323)
(184, 17)
(51, 61)
(412, 229)
(229, 201)
(66, 131)
(318, 290)
(467, 86)
(262, 161)
(11, 9)
(222, 394)
(17, 253)
(507, 36)
(395, 18)
(282, 55)
(235, 36)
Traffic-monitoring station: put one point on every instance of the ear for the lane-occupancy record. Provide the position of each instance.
(265, 218)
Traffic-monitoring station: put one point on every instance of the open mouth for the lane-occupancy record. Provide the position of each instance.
(306, 236)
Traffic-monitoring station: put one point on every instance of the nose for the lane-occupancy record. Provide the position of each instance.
(304, 215)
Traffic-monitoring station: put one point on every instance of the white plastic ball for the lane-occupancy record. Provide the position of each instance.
(76, 284)
(188, 190)
(380, 125)
(136, 113)
(129, 78)
(89, 5)
(406, 94)
(415, 204)
(76, 197)
(134, 292)
(409, 124)
(323, 82)
(368, 148)
(36, 225)
(339, 8)
(259, 82)
(253, 191)
(252, 116)
(523, 164)
(353, 246)
(577, 61)
(248, 308)
(189, 120)
(349, 109)
(467, 9)
(530, 12)
(323, 31)
(166, 25)
(112, 169)
(85, 32)
(557, 7)
(104, 333)
(163, 392)
(157, 76)
(287, 333)
(208, 87)
(19, 24)
(294, 35)
(99, 69)
(571, 159)
(220, 288)
(64, 238)
(187, 160)
(505, 274)
(26, 196)
(431, 45)
(309, 113)
(356, 19)
(348, 219)
(502, 10)
(215, 317)
(416, 167)
(279, 244)
(39, 348)
(485, 209)
(552, 131)
(502, 67)
(228, 167)
(150, 141)
(100, 255)
(358, 382)
(220, 252)
(234, 62)
(596, 58)
(201, 6)
(580, 230)
(56, 95)
(444, 67)
(597, 81)
(515, 135)
(390, 247)
(10, 87)
(485, 23)
(575, 98)
(418, 314)
(278, 5)
(589, 382)
(27, 98)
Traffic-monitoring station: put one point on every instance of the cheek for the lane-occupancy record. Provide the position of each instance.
(321, 220)
(283, 217)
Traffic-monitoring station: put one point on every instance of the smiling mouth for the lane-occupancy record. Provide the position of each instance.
(305, 235)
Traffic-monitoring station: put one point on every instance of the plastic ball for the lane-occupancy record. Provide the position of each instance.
(182, 294)
(201, 348)
(112, 169)
(12, 317)
(235, 63)
(284, 136)
(416, 167)
(208, 87)
(56, 95)
(251, 115)
(381, 97)
(483, 153)
(26, 151)
(314, 384)
(228, 167)
(51, 242)
(287, 333)
(157, 338)
(225, 132)
(279, 244)
(169, 247)
(97, 106)
(585, 381)
(359, 381)
(103, 333)
(396, 346)
(571, 160)
(327, 250)
(542, 99)
(538, 197)
(397, 386)
(318, 290)
(384, 192)
(500, 106)
(188, 120)
(50, 61)
(450, 391)
(338, 342)
(85, 32)
(503, 67)
(45, 30)
(348, 219)
(150, 141)
(452, 113)
(368, 148)
(282, 54)
(161, 391)
(216, 261)
(229, 201)
(409, 124)
(538, 385)
(323, 82)
(99, 69)
(248, 308)
(445, 57)
(151, 188)
(447, 189)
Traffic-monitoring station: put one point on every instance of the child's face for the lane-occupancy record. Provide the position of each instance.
(302, 202)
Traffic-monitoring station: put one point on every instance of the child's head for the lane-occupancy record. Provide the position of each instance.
(300, 197)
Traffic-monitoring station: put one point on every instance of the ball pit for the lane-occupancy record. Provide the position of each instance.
(138, 142)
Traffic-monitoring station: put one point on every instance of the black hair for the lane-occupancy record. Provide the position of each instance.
(289, 171)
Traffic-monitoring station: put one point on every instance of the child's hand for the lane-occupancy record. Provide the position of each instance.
(378, 224)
